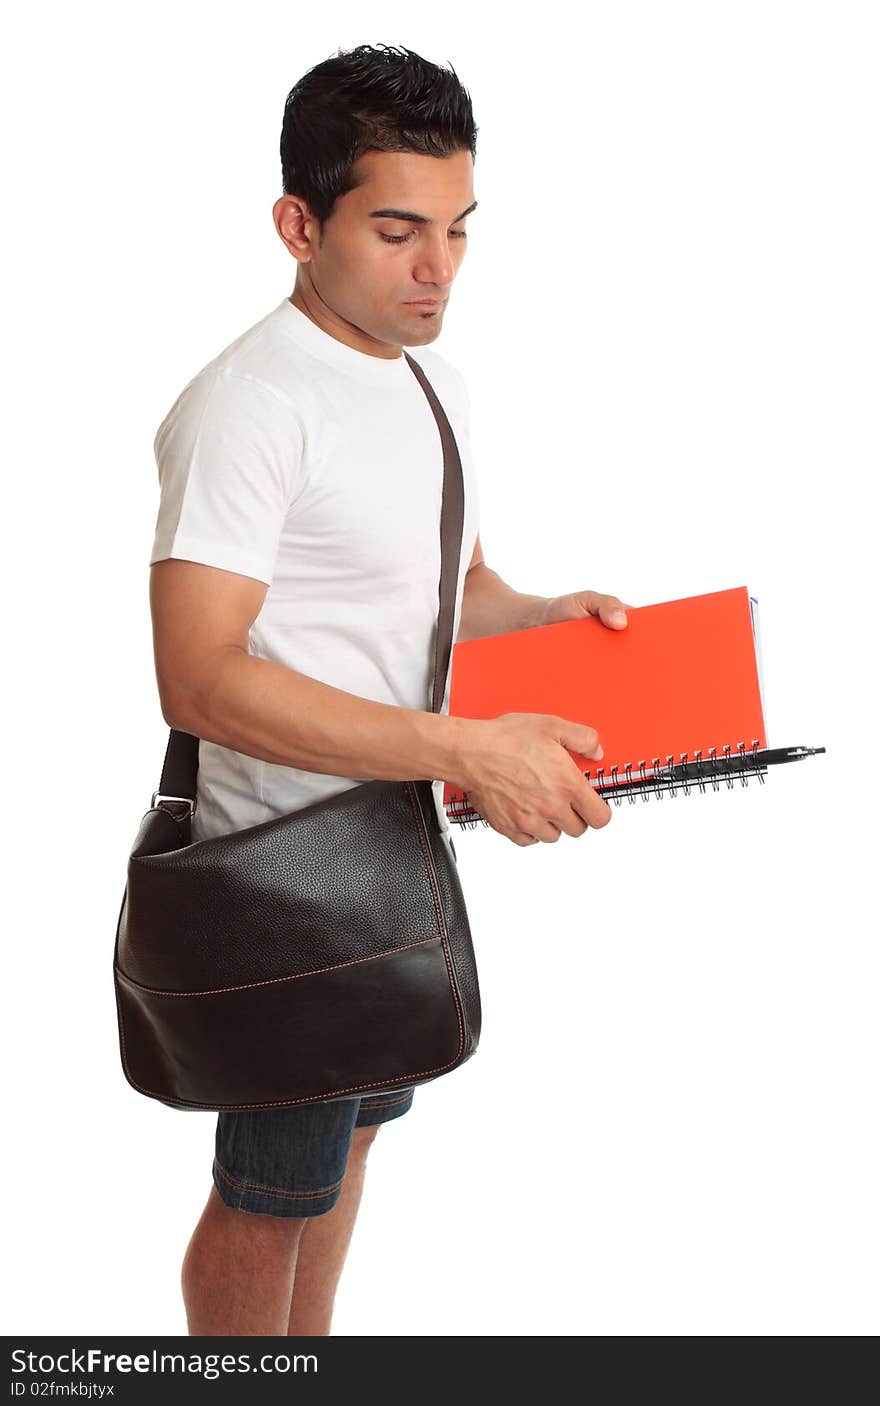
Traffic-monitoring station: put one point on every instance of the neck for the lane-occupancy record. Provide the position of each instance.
(310, 302)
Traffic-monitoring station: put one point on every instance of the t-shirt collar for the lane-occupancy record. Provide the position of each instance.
(378, 370)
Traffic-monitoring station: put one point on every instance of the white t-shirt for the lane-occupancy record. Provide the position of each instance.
(317, 468)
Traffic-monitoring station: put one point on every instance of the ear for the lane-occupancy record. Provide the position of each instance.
(296, 225)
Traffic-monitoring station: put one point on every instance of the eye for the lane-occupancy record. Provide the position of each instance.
(402, 238)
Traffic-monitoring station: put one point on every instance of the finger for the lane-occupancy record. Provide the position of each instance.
(540, 828)
(571, 823)
(593, 809)
(613, 612)
(567, 822)
(579, 737)
(594, 603)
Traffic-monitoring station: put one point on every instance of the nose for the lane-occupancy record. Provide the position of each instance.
(435, 264)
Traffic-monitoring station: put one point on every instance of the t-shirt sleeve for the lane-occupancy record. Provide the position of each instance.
(230, 459)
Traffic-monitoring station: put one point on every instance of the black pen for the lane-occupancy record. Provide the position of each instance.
(663, 775)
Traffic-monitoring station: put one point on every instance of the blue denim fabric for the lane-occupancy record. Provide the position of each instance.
(291, 1161)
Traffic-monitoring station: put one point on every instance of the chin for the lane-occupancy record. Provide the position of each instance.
(424, 330)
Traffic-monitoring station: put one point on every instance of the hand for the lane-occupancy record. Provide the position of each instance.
(519, 777)
(578, 604)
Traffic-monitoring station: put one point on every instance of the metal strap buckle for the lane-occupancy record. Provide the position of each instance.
(190, 806)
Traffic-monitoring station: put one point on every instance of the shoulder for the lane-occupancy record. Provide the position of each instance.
(256, 379)
(234, 401)
(237, 439)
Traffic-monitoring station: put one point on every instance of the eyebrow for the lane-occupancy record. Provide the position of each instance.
(414, 217)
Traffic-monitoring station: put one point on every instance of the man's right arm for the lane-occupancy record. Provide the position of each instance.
(515, 768)
(211, 687)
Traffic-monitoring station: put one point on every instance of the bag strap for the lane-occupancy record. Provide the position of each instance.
(451, 527)
(181, 764)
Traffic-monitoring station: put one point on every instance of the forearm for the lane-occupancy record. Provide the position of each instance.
(265, 710)
(491, 607)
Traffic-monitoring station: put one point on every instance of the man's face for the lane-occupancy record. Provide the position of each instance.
(371, 270)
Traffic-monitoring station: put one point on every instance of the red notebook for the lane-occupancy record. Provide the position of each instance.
(682, 678)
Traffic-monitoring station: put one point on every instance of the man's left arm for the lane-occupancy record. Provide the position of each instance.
(490, 607)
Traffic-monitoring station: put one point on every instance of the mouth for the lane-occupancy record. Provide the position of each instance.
(426, 303)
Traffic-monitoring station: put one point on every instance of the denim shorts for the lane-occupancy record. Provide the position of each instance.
(291, 1161)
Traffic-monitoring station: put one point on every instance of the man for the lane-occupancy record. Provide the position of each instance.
(294, 578)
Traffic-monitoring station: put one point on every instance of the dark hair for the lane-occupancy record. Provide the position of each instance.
(372, 98)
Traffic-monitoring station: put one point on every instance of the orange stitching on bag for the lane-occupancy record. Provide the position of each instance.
(273, 980)
(271, 1103)
(272, 1190)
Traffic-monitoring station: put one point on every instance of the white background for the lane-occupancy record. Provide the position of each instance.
(668, 321)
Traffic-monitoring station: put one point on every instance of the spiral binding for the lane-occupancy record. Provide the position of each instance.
(662, 777)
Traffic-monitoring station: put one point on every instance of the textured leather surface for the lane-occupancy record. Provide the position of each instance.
(279, 898)
(336, 1019)
(297, 1040)
(321, 954)
(455, 920)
